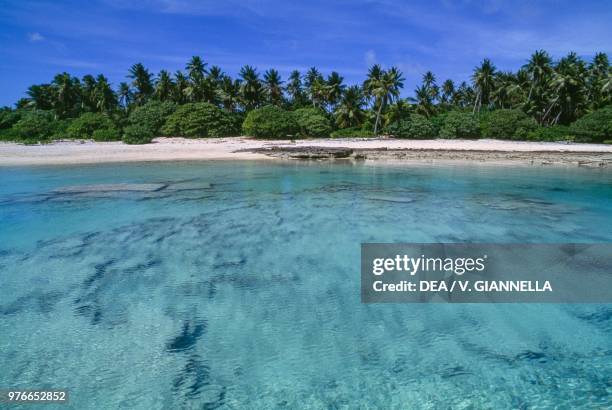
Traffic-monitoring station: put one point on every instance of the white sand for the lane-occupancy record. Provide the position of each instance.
(174, 149)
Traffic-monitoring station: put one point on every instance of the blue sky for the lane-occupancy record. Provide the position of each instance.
(41, 38)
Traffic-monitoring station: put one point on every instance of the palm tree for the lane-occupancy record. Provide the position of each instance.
(40, 96)
(196, 69)
(384, 87)
(273, 87)
(251, 90)
(448, 92)
(507, 92)
(484, 83)
(349, 112)
(334, 90)
(104, 96)
(606, 90)
(429, 81)
(141, 82)
(398, 111)
(314, 84)
(569, 90)
(538, 73)
(163, 86)
(294, 89)
(374, 76)
(539, 68)
(125, 95)
(180, 89)
(464, 96)
(67, 91)
(88, 86)
(215, 74)
(424, 101)
(598, 75)
(230, 93)
(198, 88)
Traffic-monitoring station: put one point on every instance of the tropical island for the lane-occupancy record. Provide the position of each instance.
(545, 100)
(192, 232)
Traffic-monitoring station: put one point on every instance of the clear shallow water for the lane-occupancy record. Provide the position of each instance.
(245, 293)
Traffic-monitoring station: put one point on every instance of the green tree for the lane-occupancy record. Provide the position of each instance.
(458, 124)
(66, 95)
(295, 90)
(569, 89)
(195, 120)
(595, 126)
(141, 83)
(447, 96)
(252, 92)
(349, 112)
(334, 89)
(270, 122)
(484, 84)
(312, 122)
(40, 97)
(164, 86)
(151, 116)
(85, 125)
(599, 73)
(315, 86)
(383, 87)
(88, 89)
(273, 86)
(180, 89)
(104, 98)
(125, 96)
(230, 93)
(424, 101)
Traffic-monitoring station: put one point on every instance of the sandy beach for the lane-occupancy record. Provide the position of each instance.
(240, 148)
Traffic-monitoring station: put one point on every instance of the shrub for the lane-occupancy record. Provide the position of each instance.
(507, 124)
(270, 122)
(312, 122)
(109, 134)
(553, 133)
(352, 133)
(438, 122)
(398, 129)
(34, 126)
(137, 134)
(594, 127)
(85, 125)
(200, 120)
(8, 118)
(418, 127)
(152, 115)
(459, 124)
(8, 134)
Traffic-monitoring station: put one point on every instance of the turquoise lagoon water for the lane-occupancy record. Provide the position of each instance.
(237, 286)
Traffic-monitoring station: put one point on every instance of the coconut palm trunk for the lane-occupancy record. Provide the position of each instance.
(378, 112)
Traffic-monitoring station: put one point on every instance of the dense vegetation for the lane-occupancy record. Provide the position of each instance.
(568, 99)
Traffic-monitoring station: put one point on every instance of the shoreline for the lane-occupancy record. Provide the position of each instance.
(371, 149)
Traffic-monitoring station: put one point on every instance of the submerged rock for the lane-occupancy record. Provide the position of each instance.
(397, 199)
(82, 189)
(306, 152)
(189, 186)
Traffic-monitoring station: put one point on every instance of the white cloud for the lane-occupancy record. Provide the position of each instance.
(35, 37)
(370, 57)
(72, 63)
